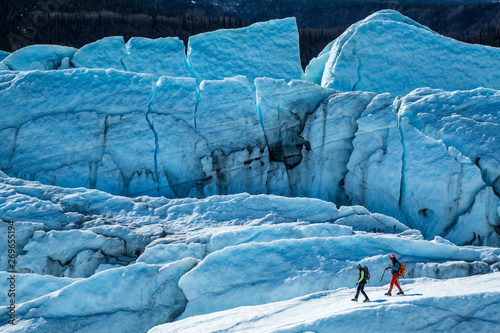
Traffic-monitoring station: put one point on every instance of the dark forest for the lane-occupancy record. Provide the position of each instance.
(76, 23)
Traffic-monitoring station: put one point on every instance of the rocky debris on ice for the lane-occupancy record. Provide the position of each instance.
(271, 249)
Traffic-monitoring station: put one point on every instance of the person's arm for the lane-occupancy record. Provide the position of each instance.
(362, 275)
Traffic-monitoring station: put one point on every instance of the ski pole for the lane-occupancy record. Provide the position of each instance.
(382, 276)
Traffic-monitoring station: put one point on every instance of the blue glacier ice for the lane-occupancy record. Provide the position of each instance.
(264, 49)
(177, 139)
(41, 57)
(224, 190)
(159, 57)
(466, 304)
(104, 53)
(387, 52)
(3, 55)
(272, 249)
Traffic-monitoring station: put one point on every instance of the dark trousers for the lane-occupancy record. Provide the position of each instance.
(361, 287)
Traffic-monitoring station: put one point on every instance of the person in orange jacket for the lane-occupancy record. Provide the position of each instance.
(394, 266)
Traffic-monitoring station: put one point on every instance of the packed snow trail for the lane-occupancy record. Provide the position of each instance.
(454, 305)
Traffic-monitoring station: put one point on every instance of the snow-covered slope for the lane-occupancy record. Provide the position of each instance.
(387, 52)
(454, 305)
(147, 260)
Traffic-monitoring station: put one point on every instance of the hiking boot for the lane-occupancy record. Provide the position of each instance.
(366, 300)
(388, 293)
(401, 292)
(354, 299)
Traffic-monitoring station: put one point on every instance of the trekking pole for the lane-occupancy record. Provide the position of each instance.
(382, 276)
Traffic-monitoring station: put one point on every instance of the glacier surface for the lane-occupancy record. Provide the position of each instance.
(99, 251)
(227, 191)
(127, 134)
(38, 57)
(387, 52)
(89, 259)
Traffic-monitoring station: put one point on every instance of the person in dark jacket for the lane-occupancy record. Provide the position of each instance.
(361, 284)
(394, 266)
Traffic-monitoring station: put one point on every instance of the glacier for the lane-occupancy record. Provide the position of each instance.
(217, 186)
(455, 304)
(38, 57)
(273, 249)
(388, 52)
(174, 138)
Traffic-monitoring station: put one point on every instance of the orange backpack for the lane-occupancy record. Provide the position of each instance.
(401, 270)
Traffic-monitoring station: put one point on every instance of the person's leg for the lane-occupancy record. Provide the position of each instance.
(394, 280)
(357, 292)
(363, 290)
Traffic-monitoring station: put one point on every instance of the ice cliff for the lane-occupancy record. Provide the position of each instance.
(388, 52)
(127, 134)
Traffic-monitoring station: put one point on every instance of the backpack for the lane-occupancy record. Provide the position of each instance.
(367, 274)
(402, 269)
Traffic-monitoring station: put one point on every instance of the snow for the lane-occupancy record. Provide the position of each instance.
(147, 260)
(462, 304)
(86, 144)
(128, 298)
(375, 164)
(370, 56)
(264, 49)
(257, 273)
(104, 53)
(38, 57)
(159, 57)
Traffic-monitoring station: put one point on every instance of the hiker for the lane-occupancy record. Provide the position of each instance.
(363, 277)
(394, 266)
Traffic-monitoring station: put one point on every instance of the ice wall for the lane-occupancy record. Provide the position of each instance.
(104, 53)
(387, 52)
(264, 49)
(159, 57)
(41, 57)
(125, 134)
(79, 128)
